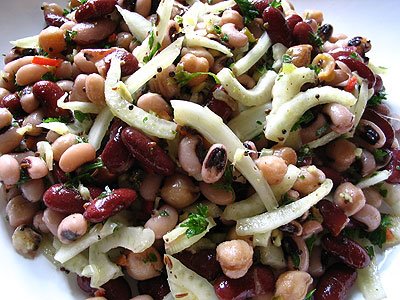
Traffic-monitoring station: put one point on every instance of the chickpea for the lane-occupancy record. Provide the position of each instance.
(26, 241)
(152, 102)
(236, 39)
(179, 191)
(327, 64)
(349, 198)
(342, 152)
(341, 117)
(286, 153)
(164, 84)
(52, 8)
(61, 144)
(293, 285)
(35, 166)
(72, 228)
(52, 40)
(301, 55)
(232, 16)
(309, 179)
(273, 168)
(194, 64)
(199, 52)
(235, 258)
(145, 265)
(162, 220)
(75, 156)
(373, 197)
(9, 169)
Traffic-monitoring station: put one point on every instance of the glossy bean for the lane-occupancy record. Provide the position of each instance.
(20, 211)
(64, 70)
(187, 155)
(51, 40)
(179, 191)
(33, 190)
(76, 155)
(61, 144)
(369, 216)
(334, 219)
(276, 26)
(156, 287)
(363, 70)
(54, 20)
(150, 186)
(302, 32)
(29, 102)
(273, 168)
(35, 166)
(143, 7)
(341, 117)
(84, 64)
(117, 289)
(232, 16)
(9, 140)
(152, 102)
(39, 224)
(193, 64)
(342, 152)
(129, 63)
(9, 170)
(71, 228)
(34, 119)
(93, 9)
(316, 268)
(373, 197)
(349, 198)
(63, 199)
(93, 32)
(65, 85)
(78, 92)
(12, 102)
(30, 73)
(310, 228)
(52, 219)
(301, 55)
(162, 220)
(236, 39)
(94, 88)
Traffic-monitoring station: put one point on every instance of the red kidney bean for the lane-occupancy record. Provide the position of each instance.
(292, 20)
(129, 62)
(84, 284)
(63, 199)
(347, 250)
(115, 155)
(203, 262)
(336, 177)
(362, 69)
(48, 92)
(335, 283)
(393, 167)
(94, 191)
(13, 103)
(117, 289)
(102, 208)
(147, 152)
(59, 174)
(89, 33)
(103, 176)
(259, 280)
(302, 32)
(260, 5)
(220, 108)
(276, 26)
(94, 9)
(378, 83)
(55, 20)
(382, 123)
(156, 287)
(335, 219)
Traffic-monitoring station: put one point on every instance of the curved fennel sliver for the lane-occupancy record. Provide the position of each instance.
(369, 282)
(249, 207)
(281, 120)
(135, 117)
(254, 55)
(194, 40)
(100, 128)
(184, 281)
(138, 25)
(260, 94)
(269, 221)
(214, 130)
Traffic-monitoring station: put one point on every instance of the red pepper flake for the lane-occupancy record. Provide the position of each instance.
(351, 84)
(45, 61)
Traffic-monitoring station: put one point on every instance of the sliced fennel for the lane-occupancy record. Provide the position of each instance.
(100, 127)
(85, 107)
(191, 17)
(138, 25)
(286, 184)
(261, 239)
(250, 122)
(136, 239)
(176, 240)
(359, 107)
(58, 127)
(392, 197)
(281, 119)
(186, 284)
(369, 282)
(46, 152)
(194, 40)
(96, 233)
(273, 256)
(278, 50)
(30, 42)
(135, 117)
(258, 95)
(249, 207)
(271, 220)
(253, 56)
(375, 178)
(220, 6)
(323, 140)
(213, 129)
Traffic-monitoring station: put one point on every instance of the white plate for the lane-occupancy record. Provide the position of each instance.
(377, 20)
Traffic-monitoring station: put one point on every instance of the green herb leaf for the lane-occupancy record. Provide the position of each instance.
(183, 77)
(225, 38)
(82, 1)
(217, 29)
(378, 236)
(315, 68)
(70, 35)
(23, 177)
(276, 3)
(370, 251)
(316, 40)
(309, 296)
(66, 11)
(50, 120)
(380, 154)
(95, 165)
(286, 58)
(248, 10)
(80, 116)
(354, 55)
(50, 77)
(153, 48)
(310, 242)
(383, 192)
(106, 193)
(151, 257)
(304, 119)
(377, 99)
(196, 222)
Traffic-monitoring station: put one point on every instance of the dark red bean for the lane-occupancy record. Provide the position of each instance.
(94, 9)
(382, 123)
(220, 108)
(115, 155)
(55, 20)
(84, 284)
(63, 199)
(117, 289)
(94, 191)
(336, 283)
(156, 287)
(129, 63)
(276, 27)
(394, 167)
(147, 152)
(102, 208)
(202, 262)
(103, 176)
(347, 250)
(361, 68)
(378, 84)
(336, 177)
(13, 103)
(260, 5)
(59, 174)
(292, 20)
(259, 280)
(335, 219)
(302, 33)
(48, 92)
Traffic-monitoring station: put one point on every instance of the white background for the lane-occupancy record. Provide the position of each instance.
(377, 20)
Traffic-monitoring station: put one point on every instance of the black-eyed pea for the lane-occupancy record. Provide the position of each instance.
(214, 163)
(300, 54)
(309, 179)
(78, 92)
(72, 228)
(51, 40)
(62, 143)
(272, 167)
(369, 216)
(20, 211)
(152, 102)
(193, 64)
(162, 220)
(293, 285)
(9, 169)
(33, 190)
(75, 156)
(29, 74)
(26, 241)
(38, 223)
(232, 16)
(327, 64)
(341, 117)
(236, 39)
(35, 166)
(94, 87)
(349, 198)
(5, 117)
(83, 64)
(150, 186)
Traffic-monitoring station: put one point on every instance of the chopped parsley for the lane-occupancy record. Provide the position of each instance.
(370, 250)
(310, 242)
(82, 1)
(217, 29)
(227, 179)
(107, 192)
(383, 192)
(248, 10)
(316, 40)
(66, 12)
(82, 139)
(286, 58)
(49, 76)
(304, 119)
(23, 177)
(51, 120)
(95, 165)
(322, 130)
(163, 213)
(315, 68)
(196, 222)
(225, 38)
(276, 3)
(154, 47)
(377, 99)
(80, 116)
(150, 258)
(145, 119)
(70, 35)
(310, 296)
(354, 55)
(183, 77)
(380, 154)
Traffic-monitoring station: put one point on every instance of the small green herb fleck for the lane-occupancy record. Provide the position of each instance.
(316, 40)
(50, 77)
(225, 38)
(309, 296)
(248, 10)
(151, 257)
(107, 192)
(82, 139)
(383, 192)
(196, 222)
(183, 77)
(398, 168)
(380, 154)
(179, 19)
(310, 242)
(370, 251)
(59, 119)
(315, 68)
(377, 99)
(153, 47)
(259, 122)
(217, 29)
(23, 177)
(304, 119)
(286, 58)
(70, 35)
(275, 3)
(322, 130)
(80, 116)
(82, 1)
(145, 119)
(95, 165)
(354, 55)
(66, 11)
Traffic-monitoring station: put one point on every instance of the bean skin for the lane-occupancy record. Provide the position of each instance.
(276, 26)
(9, 140)
(156, 287)
(302, 32)
(335, 219)
(63, 199)
(94, 9)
